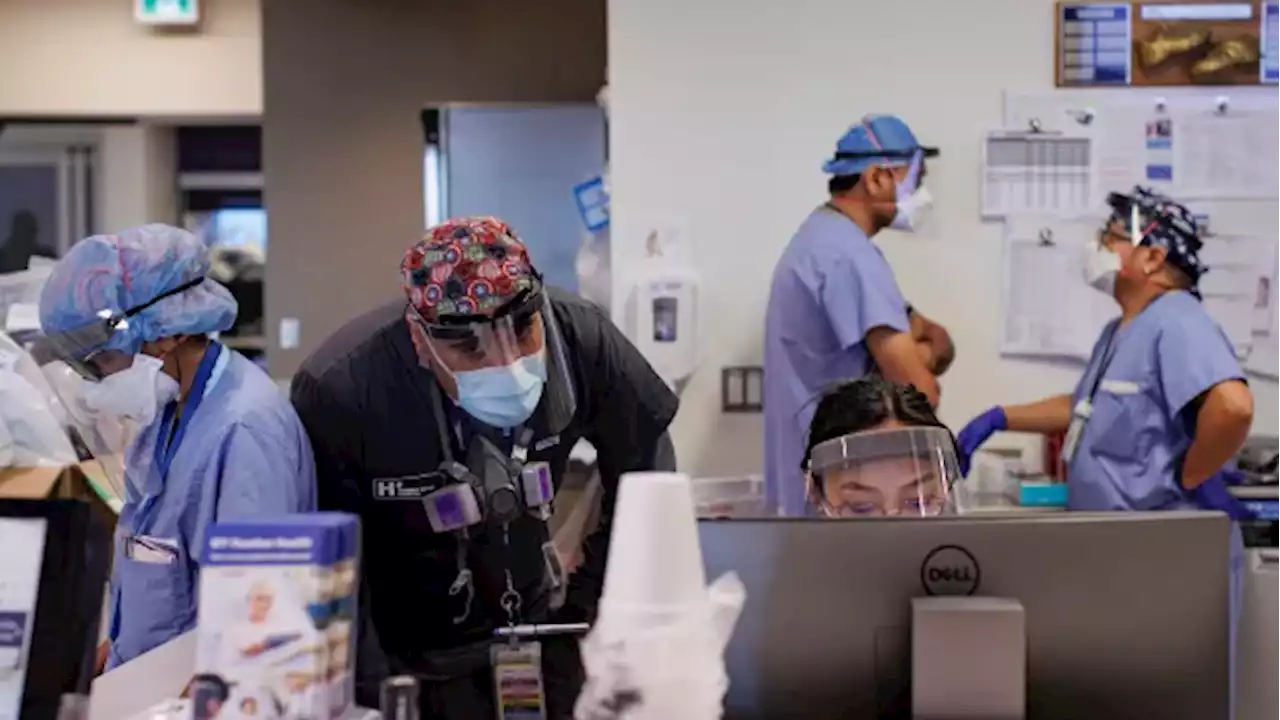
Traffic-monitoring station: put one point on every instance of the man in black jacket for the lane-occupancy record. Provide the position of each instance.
(410, 409)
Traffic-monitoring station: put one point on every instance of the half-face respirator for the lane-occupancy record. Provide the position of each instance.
(492, 487)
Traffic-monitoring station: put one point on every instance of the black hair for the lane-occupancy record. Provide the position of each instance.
(840, 184)
(214, 687)
(865, 403)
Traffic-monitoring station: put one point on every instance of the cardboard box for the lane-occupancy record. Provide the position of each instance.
(82, 481)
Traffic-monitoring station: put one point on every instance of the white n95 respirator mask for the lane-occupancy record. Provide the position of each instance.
(1101, 266)
(136, 393)
(913, 200)
(913, 210)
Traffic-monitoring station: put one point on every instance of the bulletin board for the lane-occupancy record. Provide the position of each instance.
(1171, 43)
(1214, 150)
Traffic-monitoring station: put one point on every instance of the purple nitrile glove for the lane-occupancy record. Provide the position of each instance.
(1212, 494)
(976, 432)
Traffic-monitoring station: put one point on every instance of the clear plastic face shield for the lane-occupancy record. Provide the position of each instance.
(517, 346)
(461, 344)
(913, 201)
(905, 472)
(44, 421)
(1122, 232)
(83, 349)
(1106, 254)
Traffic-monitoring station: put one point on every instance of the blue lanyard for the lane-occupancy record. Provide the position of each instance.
(166, 450)
(1108, 353)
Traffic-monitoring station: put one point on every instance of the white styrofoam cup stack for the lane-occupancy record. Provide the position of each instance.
(661, 632)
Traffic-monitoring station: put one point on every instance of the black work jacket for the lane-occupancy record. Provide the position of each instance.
(368, 408)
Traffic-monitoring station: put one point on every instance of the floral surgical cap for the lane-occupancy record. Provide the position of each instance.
(466, 266)
(1154, 219)
(104, 275)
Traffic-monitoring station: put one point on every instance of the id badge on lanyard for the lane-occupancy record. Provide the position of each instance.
(1079, 416)
(1083, 408)
(517, 681)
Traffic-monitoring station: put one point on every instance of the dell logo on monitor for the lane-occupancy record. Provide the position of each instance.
(950, 570)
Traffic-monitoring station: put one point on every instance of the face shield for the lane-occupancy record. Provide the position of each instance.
(505, 364)
(462, 344)
(909, 471)
(83, 348)
(44, 422)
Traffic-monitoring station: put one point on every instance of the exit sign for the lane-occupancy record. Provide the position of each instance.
(166, 12)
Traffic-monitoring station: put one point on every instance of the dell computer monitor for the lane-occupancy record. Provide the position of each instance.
(1126, 613)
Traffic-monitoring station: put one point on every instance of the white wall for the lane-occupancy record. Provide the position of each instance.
(720, 120)
(89, 57)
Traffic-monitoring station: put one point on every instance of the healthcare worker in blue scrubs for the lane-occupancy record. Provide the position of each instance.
(835, 311)
(216, 439)
(1163, 405)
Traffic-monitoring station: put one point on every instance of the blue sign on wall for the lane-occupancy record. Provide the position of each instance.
(593, 203)
(1094, 47)
(1270, 42)
(166, 12)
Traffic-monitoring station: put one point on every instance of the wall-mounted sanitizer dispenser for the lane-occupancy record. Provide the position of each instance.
(661, 318)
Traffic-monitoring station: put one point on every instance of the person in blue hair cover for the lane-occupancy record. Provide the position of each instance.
(135, 316)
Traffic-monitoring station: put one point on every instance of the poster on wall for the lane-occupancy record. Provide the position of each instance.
(1166, 44)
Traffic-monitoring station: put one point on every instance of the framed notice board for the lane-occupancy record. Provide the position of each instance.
(1176, 43)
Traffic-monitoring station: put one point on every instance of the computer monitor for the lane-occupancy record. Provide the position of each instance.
(54, 566)
(1126, 613)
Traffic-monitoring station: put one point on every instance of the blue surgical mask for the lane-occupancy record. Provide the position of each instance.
(503, 397)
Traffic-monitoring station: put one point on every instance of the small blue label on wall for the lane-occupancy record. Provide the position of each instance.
(166, 12)
(593, 203)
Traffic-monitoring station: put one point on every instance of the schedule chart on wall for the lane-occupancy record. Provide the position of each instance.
(1045, 173)
(1270, 41)
(1093, 44)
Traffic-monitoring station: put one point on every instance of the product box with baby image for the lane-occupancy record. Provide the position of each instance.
(276, 636)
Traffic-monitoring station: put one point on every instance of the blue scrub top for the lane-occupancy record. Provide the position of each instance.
(1131, 449)
(830, 288)
(242, 452)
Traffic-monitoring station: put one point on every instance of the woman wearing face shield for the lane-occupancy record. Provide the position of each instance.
(876, 449)
(132, 314)
(1163, 405)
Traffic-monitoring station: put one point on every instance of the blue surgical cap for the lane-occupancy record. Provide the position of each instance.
(875, 140)
(105, 275)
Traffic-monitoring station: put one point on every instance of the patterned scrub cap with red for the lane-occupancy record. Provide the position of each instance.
(466, 266)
